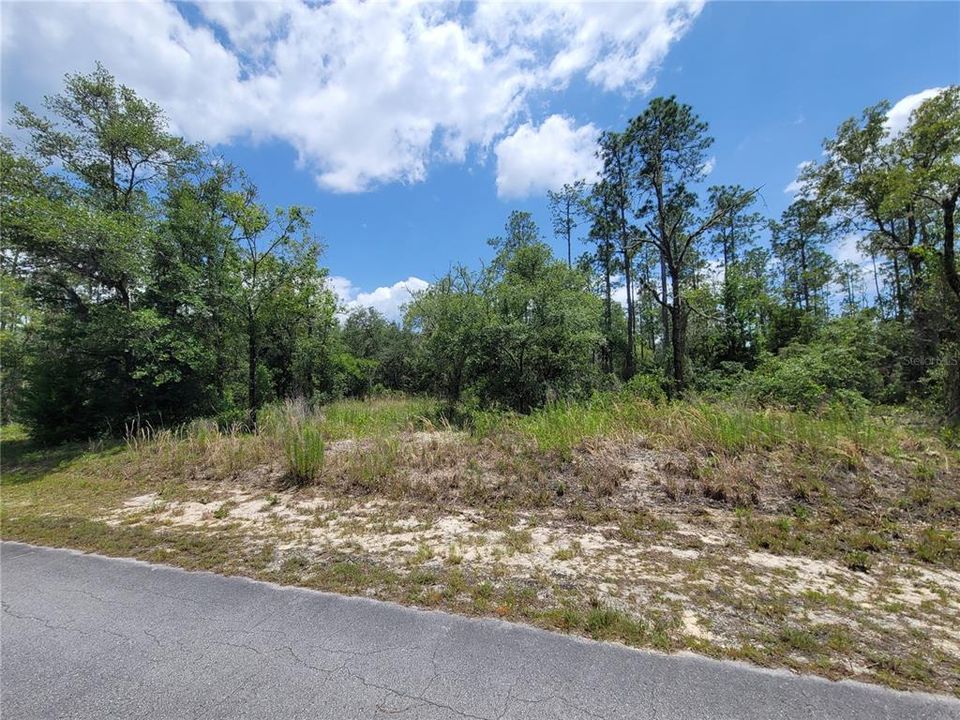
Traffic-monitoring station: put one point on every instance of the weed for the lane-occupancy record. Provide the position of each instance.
(424, 554)
(934, 545)
(799, 639)
(858, 560)
(568, 553)
(304, 449)
(519, 541)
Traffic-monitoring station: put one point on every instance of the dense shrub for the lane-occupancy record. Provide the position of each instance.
(646, 387)
(849, 363)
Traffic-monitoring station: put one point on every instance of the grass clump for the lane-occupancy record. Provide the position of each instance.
(519, 541)
(304, 449)
(936, 545)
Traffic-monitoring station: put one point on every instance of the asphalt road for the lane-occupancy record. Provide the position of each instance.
(85, 636)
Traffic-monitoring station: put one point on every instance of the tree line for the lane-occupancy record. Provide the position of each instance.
(144, 280)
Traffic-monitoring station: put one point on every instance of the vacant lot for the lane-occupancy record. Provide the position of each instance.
(824, 544)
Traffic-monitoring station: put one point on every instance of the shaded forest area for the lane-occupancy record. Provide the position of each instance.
(145, 281)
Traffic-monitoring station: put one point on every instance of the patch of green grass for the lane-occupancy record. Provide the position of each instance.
(936, 545)
(858, 561)
(568, 553)
(799, 639)
(370, 469)
(378, 417)
(424, 554)
(780, 535)
(723, 428)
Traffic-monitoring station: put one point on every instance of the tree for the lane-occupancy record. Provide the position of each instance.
(78, 208)
(516, 335)
(566, 205)
(542, 330)
(276, 253)
(931, 176)
(903, 190)
(616, 153)
(520, 230)
(599, 207)
(931, 147)
(114, 143)
(734, 234)
(798, 242)
(860, 185)
(449, 318)
(143, 263)
(368, 335)
(670, 144)
(849, 278)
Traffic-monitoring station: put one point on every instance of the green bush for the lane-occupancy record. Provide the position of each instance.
(810, 378)
(304, 448)
(646, 387)
(786, 381)
(353, 376)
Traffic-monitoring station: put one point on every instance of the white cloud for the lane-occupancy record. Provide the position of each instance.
(618, 45)
(795, 187)
(367, 93)
(898, 119)
(846, 249)
(709, 166)
(388, 301)
(342, 288)
(533, 160)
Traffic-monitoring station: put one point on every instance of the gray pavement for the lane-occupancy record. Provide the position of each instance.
(85, 636)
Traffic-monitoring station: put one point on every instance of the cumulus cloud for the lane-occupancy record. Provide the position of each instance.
(796, 186)
(388, 301)
(898, 118)
(367, 93)
(533, 160)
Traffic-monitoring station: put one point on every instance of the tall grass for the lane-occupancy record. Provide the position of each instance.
(200, 447)
(377, 417)
(304, 449)
(291, 431)
(712, 427)
(296, 436)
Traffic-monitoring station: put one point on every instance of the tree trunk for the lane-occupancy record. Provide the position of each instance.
(607, 311)
(898, 287)
(878, 302)
(630, 366)
(951, 354)
(804, 285)
(949, 250)
(678, 334)
(951, 386)
(664, 314)
(252, 371)
(925, 341)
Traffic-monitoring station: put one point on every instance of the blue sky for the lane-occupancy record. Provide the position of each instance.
(413, 130)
